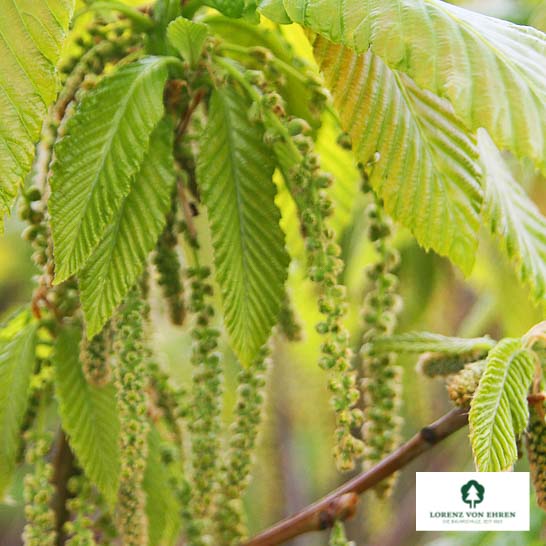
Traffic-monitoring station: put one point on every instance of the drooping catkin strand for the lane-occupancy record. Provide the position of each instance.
(381, 384)
(324, 268)
(130, 377)
(291, 142)
(38, 494)
(81, 505)
(536, 451)
(236, 469)
(95, 357)
(439, 364)
(205, 425)
(168, 267)
(338, 536)
(462, 386)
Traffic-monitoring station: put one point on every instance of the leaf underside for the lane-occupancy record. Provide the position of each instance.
(97, 160)
(235, 171)
(424, 342)
(17, 359)
(32, 34)
(88, 414)
(499, 410)
(515, 219)
(490, 70)
(425, 166)
(119, 259)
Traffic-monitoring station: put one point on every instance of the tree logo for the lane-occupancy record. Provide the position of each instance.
(472, 493)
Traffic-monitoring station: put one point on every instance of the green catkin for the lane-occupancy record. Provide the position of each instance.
(168, 266)
(130, 377)
(236, 469)
(38, 494)
(79, 528)
(439, 364)
(290, 140)
(338, 536)
(289, 324)
(308, 185)
(536, 451)
(462, 386)
(95, 357)
(205, 425)
(381, 384)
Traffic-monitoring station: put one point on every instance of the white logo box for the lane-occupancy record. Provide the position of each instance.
(472, 501)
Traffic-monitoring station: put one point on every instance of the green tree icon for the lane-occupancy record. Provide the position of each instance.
(472, 493)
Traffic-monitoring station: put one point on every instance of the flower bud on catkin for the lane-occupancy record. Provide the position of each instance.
(236, 468)
(38, 493)
(95, 358)
(536, 451)
(462, 386)
(131, 383)
(381, 386)
(168, 266)
(205, 423)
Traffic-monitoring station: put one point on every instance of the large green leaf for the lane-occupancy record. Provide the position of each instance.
(422, 342)
(162, 505)
(188, 38)
(426, 167)
(96, 162)
(235, 170)
(119, 259)
(515, 219)
(32, 35)
(499, 410)
(492, 71)
(88, 414)
(17, 359)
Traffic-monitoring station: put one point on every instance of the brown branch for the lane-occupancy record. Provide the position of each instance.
(63, 465)
(323, 513)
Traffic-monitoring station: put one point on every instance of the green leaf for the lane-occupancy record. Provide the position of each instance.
(188, 38)
(17, 360)
(162, 505)
(230, 8)
(499, 410)
(119, 259)
(491, 71)
(97, 161)
(274, 10)
(32, 37)
(515, 219)
(235, 171)
(88, 415)
(423, 342)
(426, 167)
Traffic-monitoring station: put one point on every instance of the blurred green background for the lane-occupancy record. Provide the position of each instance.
(294, 464)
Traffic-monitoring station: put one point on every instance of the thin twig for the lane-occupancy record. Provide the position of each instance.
(322, 514)
(63, 464)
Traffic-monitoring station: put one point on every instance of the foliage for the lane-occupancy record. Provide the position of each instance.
(499, 411)
(32, 38)
(218, 146)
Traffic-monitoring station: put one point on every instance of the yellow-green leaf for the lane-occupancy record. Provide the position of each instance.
(235, 174)
(32, 34)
